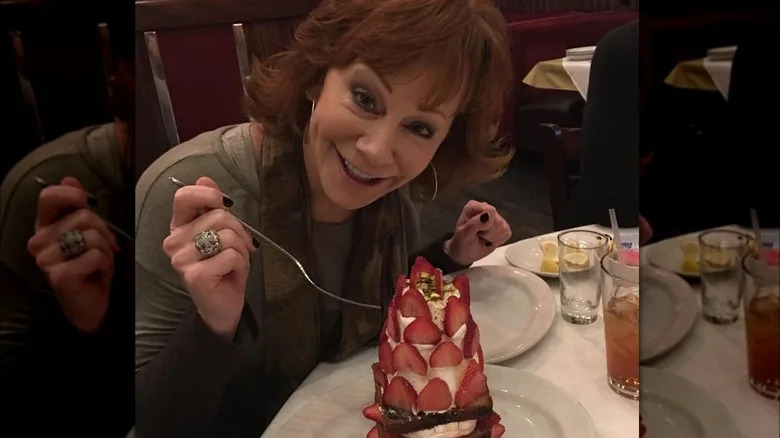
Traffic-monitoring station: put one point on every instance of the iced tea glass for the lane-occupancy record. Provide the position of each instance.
(761, 293)
(719, 260)
(620, 298)
(579, 252)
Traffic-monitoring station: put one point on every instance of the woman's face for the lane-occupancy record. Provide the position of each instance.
(369, 135)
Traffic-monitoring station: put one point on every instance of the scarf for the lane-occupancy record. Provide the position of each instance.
(291, 310)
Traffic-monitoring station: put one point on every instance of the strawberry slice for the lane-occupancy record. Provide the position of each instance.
(461, 283)
(471, 340)
(386, 358)
(373, 413)
(435, 396)
(456, 313)
(497, 431)
(473, 386)
(379, 376)
(481, 357)
(400, 394)
(393, 330)
(422, 265)
(446, 354)
(407, 358)
(413, 305)
(373, 433)
(422, 331)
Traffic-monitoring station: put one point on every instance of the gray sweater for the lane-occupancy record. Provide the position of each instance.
(189, 381)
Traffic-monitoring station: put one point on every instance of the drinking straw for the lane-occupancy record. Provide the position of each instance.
(757, 233)
(615, 230)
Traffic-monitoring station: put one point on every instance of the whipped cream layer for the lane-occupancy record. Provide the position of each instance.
(449, 430)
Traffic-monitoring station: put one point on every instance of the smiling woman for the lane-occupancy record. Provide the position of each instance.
(375, 107)
(451, 58)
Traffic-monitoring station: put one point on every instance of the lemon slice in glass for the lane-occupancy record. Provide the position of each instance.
(718, 259)
(577, 260)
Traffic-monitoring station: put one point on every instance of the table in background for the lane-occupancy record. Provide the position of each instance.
(570, 356)
(702, 74)
(560, 74)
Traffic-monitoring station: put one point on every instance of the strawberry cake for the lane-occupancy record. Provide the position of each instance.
(430, 381)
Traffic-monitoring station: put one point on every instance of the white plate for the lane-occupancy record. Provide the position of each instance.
(580, 53)
(667, 254)
(529, 406)
(669, 310)
(513, 308)
(527, 254)
(673, 407)
(722, 53)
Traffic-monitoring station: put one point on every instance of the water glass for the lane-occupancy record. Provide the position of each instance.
(579, 253)
(719, 262)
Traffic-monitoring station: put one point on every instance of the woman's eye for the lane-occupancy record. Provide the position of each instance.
(364, 99)
(421, 129)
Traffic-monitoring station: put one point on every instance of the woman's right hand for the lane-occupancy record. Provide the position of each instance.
(216, 283)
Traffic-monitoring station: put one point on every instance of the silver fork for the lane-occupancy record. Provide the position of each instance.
(92, 199)
(260, 235)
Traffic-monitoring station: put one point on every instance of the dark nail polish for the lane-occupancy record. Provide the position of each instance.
(484, 218)
(92, 201)
(255, 243)
(227, 201)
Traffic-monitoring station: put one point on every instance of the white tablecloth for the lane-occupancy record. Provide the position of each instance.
(579, 72)
(570, 356)
(714, 357)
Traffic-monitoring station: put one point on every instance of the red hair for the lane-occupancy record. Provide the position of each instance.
(463, 42)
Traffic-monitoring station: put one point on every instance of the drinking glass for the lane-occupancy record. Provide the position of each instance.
(719, 260)
(579, 252)
(620, 297)
(761, 293)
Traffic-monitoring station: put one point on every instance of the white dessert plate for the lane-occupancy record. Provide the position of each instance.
(669, 310)
(580, 53)
(668, 254)
(722, 53)
(529, 406)
(527, 254)
(513, 308)
(674, 407)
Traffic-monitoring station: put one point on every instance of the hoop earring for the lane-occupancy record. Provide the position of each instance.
(435, 183)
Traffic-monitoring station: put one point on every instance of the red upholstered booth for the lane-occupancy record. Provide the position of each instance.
(539, 37)
(201, 61)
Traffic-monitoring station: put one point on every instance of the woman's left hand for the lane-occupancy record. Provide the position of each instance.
(479, 230)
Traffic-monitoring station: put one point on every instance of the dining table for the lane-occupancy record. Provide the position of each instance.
(710, 73)
(714, 357)
(560, 74)
(570, 356)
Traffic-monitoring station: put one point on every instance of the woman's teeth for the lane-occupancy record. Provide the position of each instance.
(356, 173)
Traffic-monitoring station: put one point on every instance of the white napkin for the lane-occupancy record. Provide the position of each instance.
(720, 72)
(579, 72)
